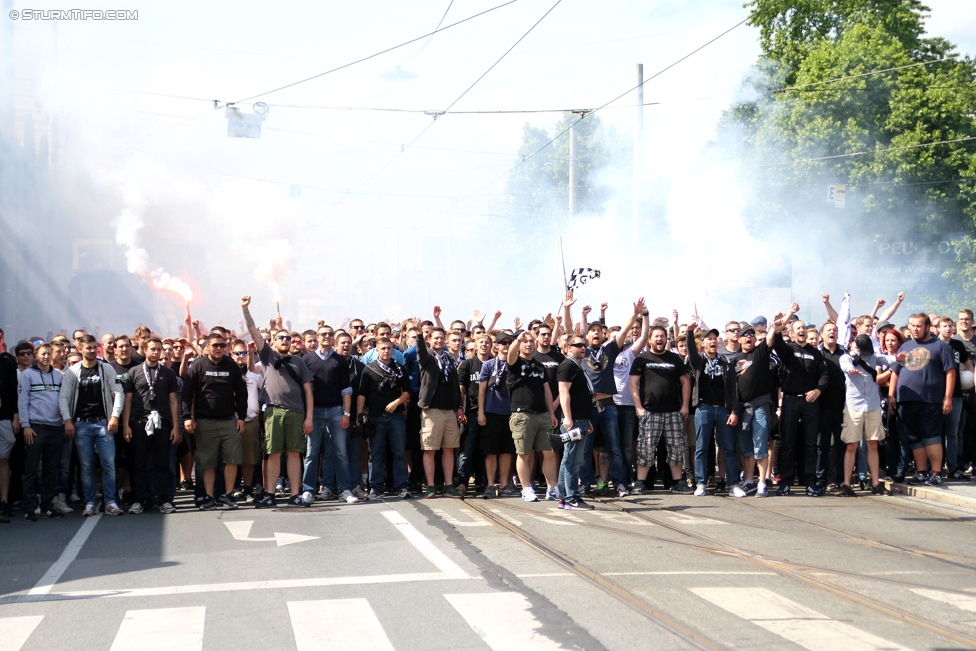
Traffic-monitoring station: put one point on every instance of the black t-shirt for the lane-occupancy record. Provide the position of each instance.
(8, 386)
(468, 373)
(89, 404)
(162, 380)
(137, 357)
(580, 398)
(660, 380)
(961, 354)
(754, 376)
(122, 370)
(835, 396)
(551, 362)
(598, 364)
(527, 386)
(381, 387)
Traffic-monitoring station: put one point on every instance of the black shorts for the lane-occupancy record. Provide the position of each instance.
(496, 436)
(921, 423)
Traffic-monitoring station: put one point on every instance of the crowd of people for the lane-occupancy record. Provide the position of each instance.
(561, 410)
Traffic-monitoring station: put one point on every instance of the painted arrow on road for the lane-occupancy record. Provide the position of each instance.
(242, 528)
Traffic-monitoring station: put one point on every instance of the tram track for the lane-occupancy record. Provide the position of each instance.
(807, 574)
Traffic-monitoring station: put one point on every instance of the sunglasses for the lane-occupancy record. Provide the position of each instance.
(577, 345)
(358, 327)
(218, 345)
(240, 353)
(283, 338)
(24, 353)
(326, 333)
(733, 330)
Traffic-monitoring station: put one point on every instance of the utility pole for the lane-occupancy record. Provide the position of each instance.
(573, 163)
(638, 158)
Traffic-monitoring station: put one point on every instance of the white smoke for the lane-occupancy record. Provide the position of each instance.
(127, 227)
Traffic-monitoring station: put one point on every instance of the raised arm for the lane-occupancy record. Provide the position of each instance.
(567, 311)
(624, 331)
(645, 332)
(890, 312)
(249, 323)
(437, 317)
(831, 312)
(494, 320)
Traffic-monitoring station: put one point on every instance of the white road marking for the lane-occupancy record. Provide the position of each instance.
(689, 572)
(792, 621)
(476, 521)
(517, 523)
(425, 546)
(954, 599)
(280, 584)
(14, 631)
(162, 629)
(69, 554)
(337, 625)
(241, 529)
(502, 619)
(624, 518)
(681, 518)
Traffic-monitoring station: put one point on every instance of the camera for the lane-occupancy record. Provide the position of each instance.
(574, 434)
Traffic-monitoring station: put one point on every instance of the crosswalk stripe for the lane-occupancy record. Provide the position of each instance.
(165, 629)
(14, 631)
(502, 619)
(966, 602)
(336, 624)
(792, 621)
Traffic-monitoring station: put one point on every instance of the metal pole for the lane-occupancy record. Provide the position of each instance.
(562, 259)
(638, 157)
(572, 172)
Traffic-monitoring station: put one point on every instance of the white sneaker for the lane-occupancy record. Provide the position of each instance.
(308, 498)
(700, 490)
(325, 494)
(736, 491)
(60, 505)
(136, 508)
(348, 497)
(528, 495)
(761, 489)
(360, 493)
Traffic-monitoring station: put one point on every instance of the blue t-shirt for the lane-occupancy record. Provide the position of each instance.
(496, 397)
(598, 365)
(922, 376)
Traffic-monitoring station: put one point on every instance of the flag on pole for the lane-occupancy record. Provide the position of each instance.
(581, 276)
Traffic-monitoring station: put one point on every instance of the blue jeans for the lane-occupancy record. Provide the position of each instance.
(606, 424)
(392, 429)
(754, 442)
(92, 437)
(627, 423)
(325, 428)
(569, 467)
(709, 418)
(952, 434)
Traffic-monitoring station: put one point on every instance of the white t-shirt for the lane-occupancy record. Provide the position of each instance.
(621, 377)
(254, 382)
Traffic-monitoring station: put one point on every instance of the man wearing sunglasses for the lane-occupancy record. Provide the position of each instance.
(731, 348)
(288, 418)
(214, 400)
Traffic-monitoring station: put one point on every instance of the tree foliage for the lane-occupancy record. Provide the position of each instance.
(822, 112)
(539, 188)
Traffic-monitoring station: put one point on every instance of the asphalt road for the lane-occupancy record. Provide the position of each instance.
(652, 572)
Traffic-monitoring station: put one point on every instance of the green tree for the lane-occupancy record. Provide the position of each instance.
(823, 114)
(539, 188)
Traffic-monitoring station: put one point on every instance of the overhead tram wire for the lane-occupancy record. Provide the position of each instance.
(430, 111)
(437, 114)
(860, 75)
(871, 153)
(600, 108)
(373, 56)
(427, 42)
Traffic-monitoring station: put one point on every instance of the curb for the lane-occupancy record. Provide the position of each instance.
(942, 495)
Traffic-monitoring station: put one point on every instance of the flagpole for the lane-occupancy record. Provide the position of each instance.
(562, 259)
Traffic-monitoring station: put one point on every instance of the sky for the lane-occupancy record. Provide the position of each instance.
(326, 196)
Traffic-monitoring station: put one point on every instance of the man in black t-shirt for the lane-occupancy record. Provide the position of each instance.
(383, 392)
(124, 360)
(576, 399)
(661, 389)
(532, 416)
(469, 458)
(150, 423)
(951, 432)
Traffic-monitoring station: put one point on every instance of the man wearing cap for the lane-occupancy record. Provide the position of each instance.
(756, 382)
(804, 381)
(862, 412)
(716, 400)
